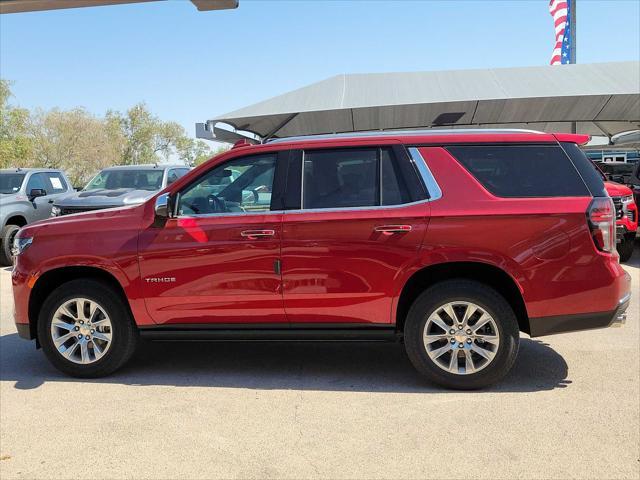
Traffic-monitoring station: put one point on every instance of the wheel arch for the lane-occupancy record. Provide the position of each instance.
(485, 273)
(16, 219)
(52, 279)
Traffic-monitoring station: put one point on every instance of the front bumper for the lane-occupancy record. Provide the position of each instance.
(542, 326)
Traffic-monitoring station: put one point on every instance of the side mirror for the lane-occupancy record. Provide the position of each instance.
(163, 206)
(36, 192)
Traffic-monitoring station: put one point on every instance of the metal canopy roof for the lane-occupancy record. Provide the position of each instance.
(604, 99)
(17, 6)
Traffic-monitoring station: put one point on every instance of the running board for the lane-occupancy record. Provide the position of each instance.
(245, 332)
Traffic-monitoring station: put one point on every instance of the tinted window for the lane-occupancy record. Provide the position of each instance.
(10, 182)
(125, 178)
(591, 176)
(36, 181)
(54, 182)
(351, 178)
(393, 188)
(242, 185)
(522, 170)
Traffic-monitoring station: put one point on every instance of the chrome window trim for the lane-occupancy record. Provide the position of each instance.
(230, 214)
(357, 209)
(302, 180)
(433, 189)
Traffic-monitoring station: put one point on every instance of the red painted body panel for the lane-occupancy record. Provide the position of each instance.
(542, 243)
(335, 267)
(618, 190)
(216, 275)
(107, 240)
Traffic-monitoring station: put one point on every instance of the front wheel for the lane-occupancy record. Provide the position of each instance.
(86, 330)
(461, 334)
(6, 237)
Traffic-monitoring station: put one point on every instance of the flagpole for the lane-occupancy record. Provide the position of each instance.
(572, 30)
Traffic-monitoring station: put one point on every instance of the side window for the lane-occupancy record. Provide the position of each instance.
(54, 182)
(393, 190)
(172, 176)
(175, 173)
(36, 181)
(359, 177)
(522, 170)
(242, 185)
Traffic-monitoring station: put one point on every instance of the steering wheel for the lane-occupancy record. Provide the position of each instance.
(216, 204)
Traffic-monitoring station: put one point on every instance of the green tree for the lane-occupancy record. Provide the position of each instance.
(74, 141)
(144, 138)
(15, 144)
(82, 143)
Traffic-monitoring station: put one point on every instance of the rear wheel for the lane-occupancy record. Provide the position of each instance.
(461, 334)
(86, 330)
(6, 237)
(625, 247)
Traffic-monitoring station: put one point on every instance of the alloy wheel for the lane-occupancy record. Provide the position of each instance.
(461, 337)
(81, 331)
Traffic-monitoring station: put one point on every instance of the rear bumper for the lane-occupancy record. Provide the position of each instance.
(542, 326)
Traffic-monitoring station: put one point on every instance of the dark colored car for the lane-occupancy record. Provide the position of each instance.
(119, 186)
(619, 172)
(452, 242)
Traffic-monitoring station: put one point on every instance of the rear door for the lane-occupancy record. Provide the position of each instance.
(356, 218)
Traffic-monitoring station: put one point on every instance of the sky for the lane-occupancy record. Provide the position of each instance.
(189, 66)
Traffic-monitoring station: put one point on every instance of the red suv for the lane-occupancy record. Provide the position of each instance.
(452, 242)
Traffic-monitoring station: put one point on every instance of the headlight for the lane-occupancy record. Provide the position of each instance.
(20, 244)
(627, 199)
(56, 211)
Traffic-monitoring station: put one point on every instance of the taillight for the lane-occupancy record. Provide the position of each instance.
(601, 216)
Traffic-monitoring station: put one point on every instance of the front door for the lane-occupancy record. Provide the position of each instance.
(358, 228)
(54, 185)
(217, 262)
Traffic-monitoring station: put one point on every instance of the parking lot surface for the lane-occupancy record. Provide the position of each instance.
(570, 408)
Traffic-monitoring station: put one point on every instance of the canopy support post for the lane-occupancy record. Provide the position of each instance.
(275, 130)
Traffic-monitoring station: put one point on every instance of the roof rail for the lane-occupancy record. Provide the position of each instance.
(383, 133)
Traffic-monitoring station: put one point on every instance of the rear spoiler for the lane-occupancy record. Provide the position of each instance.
(211, 131)
(577, 138)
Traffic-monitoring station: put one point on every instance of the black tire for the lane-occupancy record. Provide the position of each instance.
(6, 237)
(470, 291)
(626, 246)
(124, 332)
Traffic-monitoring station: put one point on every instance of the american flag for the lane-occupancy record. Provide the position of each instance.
(559, 10)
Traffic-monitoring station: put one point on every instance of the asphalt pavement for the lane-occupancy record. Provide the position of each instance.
(570, 408)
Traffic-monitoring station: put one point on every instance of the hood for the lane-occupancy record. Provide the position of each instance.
(87, 221)
(104, 198)
(617, 189)
(6, 198)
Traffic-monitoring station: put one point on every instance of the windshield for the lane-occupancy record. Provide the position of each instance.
(10, 182)
(150, 180)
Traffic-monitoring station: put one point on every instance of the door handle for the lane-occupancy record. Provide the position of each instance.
(251, 234)
(389, 229)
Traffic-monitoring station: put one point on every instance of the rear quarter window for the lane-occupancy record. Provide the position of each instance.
(522, 170)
